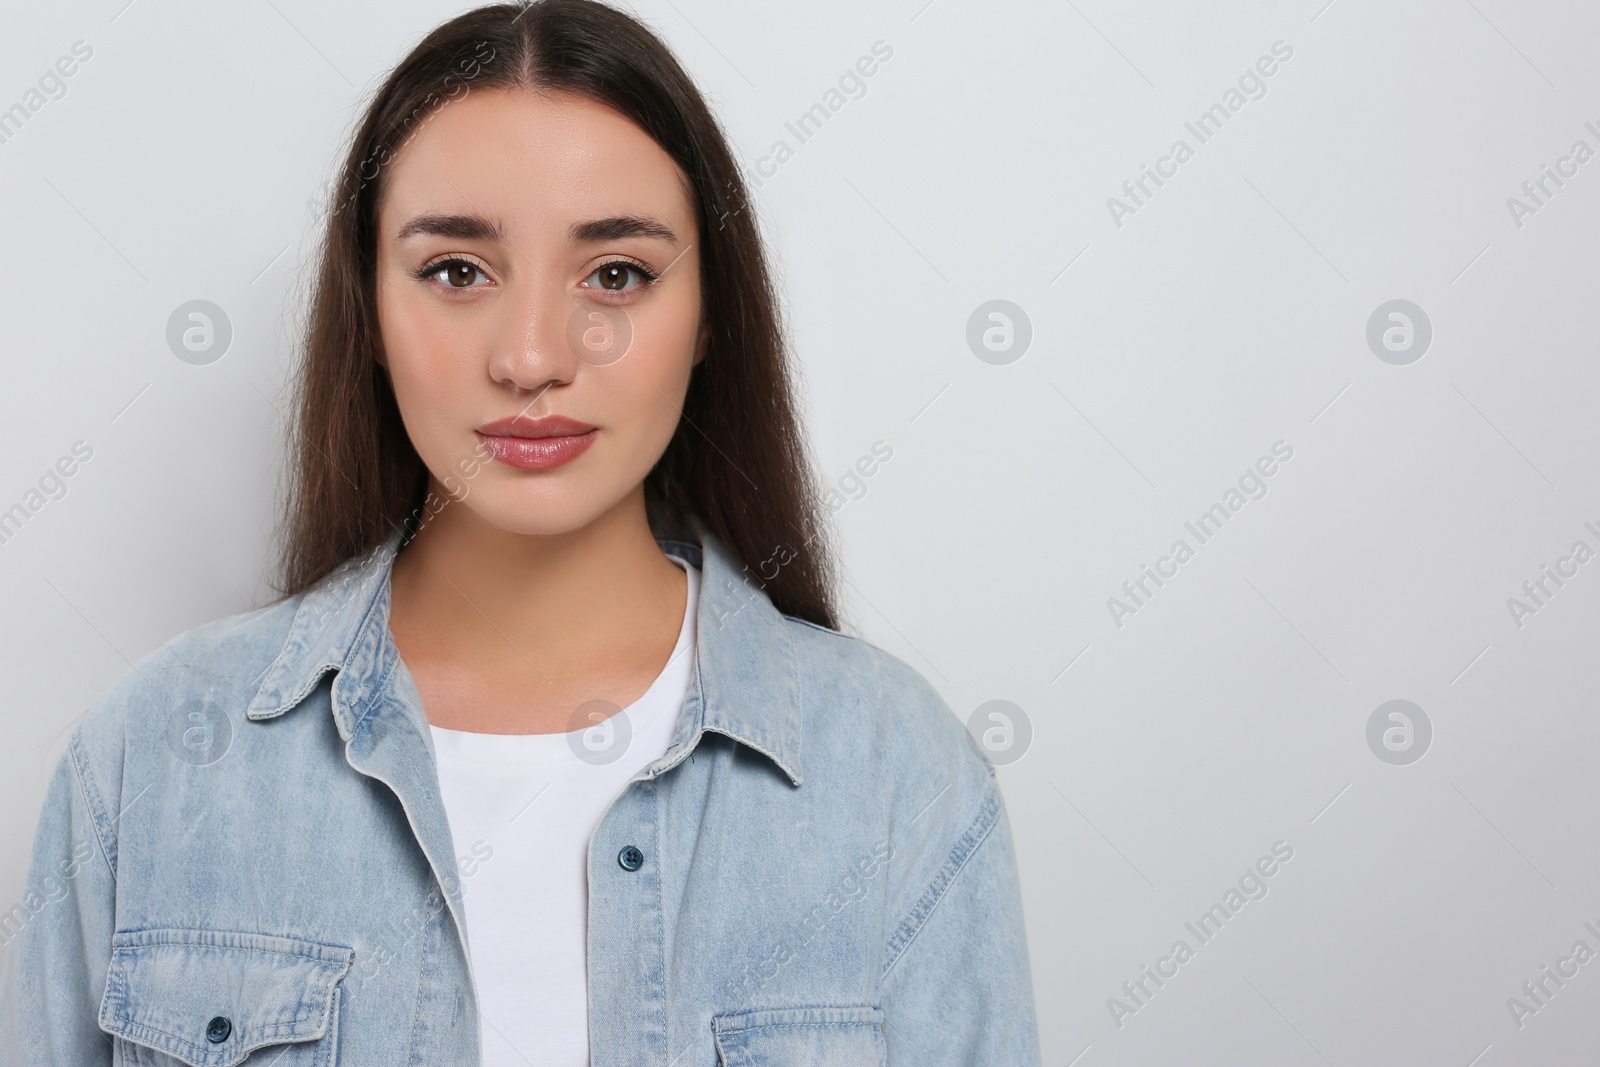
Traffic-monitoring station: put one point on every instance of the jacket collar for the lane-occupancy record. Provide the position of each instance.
(746, 682)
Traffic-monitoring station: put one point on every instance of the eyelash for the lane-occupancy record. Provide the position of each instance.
(647, 277)
(429, 270)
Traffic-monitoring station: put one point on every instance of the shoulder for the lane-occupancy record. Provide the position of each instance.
(216, 665)
(870, 716)
(218, 659)
(841, 673)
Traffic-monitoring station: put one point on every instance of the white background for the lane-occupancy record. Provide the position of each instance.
(186, 161)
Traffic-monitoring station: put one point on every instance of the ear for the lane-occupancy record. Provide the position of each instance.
(702, 344)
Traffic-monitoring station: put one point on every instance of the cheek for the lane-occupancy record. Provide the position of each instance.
(639, 398)
(428, 358)
(426, 352)
(646, 387)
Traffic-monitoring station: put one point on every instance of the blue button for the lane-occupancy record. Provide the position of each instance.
(630, 858)
(218, 1029)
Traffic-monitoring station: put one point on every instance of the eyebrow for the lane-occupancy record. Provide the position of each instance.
(619, 226)
(478, 228)
(461, 227)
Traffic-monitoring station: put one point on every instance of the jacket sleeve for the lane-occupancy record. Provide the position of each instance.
(57, 940)
(957, 988)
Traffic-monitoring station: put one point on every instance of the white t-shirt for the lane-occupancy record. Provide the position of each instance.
(521, 809)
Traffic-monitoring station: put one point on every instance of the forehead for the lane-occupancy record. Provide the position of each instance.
(536, 161)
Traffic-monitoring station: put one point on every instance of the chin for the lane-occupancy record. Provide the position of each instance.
(543, 513)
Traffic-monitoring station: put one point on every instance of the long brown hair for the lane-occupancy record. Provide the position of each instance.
(737, 460)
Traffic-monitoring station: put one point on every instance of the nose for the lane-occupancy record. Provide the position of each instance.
(530, 349)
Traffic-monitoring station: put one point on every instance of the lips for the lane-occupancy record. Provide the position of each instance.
(530, 428)
(536, 444)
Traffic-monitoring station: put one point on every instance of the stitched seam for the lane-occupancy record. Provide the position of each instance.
(376, 695)
(144, 1031)
(752, 745)
(289, 1028)
(289, 640)
(90, 794)
(888, 824)
(306, 688)
(660, 873)
(798, 681)
(309, 686)
(331, 1037)
(791, 1009)
(361, 630)
(433, 927)
(782, 1026)
(720, 1019)
(414, 1042)
(299, 641)
(133, 1028)
(203, 947)
(857, 638)
(964, 849)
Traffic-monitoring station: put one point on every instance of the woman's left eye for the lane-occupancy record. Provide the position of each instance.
(613, 276)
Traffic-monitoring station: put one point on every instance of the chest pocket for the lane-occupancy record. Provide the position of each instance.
(210, 998)
(844, 1036)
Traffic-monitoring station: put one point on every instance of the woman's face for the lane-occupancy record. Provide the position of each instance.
(536, 262)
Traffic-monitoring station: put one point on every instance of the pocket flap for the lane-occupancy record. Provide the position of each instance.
(211, 997)
(849, 1035)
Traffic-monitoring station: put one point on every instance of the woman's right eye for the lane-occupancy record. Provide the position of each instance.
(455, 273)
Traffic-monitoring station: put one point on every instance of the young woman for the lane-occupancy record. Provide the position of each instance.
(552, 752)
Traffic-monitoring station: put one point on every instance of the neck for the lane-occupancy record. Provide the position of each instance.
(543, 617)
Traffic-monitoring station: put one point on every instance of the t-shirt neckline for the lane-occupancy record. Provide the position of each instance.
(473, 746)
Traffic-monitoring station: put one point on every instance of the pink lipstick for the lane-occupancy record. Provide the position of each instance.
(536, 444)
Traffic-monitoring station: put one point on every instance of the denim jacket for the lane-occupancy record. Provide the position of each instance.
(243, 857)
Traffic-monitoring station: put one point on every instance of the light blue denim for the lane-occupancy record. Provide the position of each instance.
(243, 857)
